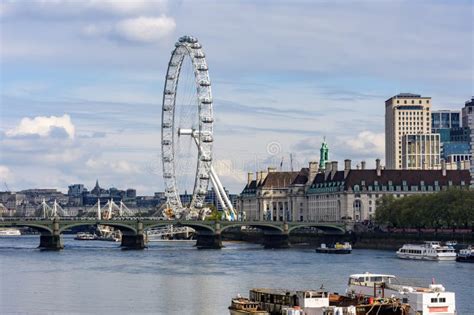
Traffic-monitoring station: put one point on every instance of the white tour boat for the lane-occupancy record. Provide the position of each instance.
(10, 232)
(427, 251)
(433, 299)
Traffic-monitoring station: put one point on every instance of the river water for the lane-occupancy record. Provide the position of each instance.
(94, 277)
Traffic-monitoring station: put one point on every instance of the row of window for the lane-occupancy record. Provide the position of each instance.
(413, 101)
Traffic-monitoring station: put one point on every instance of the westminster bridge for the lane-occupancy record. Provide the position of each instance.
(275, 234)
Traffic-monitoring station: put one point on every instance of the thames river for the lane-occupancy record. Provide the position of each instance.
(94, 277)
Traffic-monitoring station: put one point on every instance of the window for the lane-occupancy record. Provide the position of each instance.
(434, 300)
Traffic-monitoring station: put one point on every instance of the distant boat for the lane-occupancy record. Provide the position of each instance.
(84, 236)
(338, 248)
(10, 232)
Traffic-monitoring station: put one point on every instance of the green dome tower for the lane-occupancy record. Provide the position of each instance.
(324, 155)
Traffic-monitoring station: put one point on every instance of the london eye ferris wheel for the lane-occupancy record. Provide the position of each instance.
(187, 133)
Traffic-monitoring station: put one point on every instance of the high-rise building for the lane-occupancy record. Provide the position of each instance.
(445, 119)
(405, 114)
(454, 137)
(468, 121)
(421, 152)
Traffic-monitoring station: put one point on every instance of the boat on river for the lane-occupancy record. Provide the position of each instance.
(466, 255)
(433, 299)
(320, 302)
(10, 232)
(85, 236)
(243, 306)
(427, 251)
(338, 248)
(108, 233)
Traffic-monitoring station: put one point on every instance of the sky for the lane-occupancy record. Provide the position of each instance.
(81, 82)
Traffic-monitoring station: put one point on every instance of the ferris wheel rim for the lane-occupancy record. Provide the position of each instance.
(187, 47)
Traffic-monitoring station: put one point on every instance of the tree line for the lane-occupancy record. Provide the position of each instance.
(453, 208)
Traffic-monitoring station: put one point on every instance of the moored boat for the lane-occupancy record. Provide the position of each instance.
(338, 248)
(422, 300)
(466, 255)
(319, 302)
(427, 251)
(243, 306)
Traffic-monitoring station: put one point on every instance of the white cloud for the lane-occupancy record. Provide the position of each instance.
(120, 166)
(139, 29)
(367, 142)
(5, 173)
(145, 29)
(124, 7)
(43, 126)
(73, 8)
(228, 169)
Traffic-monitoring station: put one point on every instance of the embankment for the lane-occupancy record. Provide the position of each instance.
(365, 240)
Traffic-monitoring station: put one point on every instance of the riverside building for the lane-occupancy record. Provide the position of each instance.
(336, 195)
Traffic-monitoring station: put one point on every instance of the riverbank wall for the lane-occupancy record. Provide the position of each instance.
(364, 240)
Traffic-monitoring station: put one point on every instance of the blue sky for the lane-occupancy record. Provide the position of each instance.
(81, 81)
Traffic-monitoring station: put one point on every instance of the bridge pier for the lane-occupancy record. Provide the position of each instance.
(276, 240)
(133, 241)
(51, 242)
(209, 241)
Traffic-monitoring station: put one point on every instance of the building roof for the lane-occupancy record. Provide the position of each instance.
(279, 179)
(397, 177)
(302, 177)
(406, 95)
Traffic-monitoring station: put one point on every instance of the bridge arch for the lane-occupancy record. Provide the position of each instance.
(39, 227)
(320, 226)
(262, 226)
(196, 226)
(120, 226)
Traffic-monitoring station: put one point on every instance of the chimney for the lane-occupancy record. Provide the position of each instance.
(362, 165)
(271, 169)
(327, 169)
(249, 178)
(264, 175)
(259, 177)
(443, 167)
(333, 168)
(347, 167)
(313, 170)
(378, 167)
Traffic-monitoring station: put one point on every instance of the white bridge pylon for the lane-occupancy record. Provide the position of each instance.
(52, 212)
(109, 210)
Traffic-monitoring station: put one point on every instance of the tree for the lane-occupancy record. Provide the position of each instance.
(445, 209)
